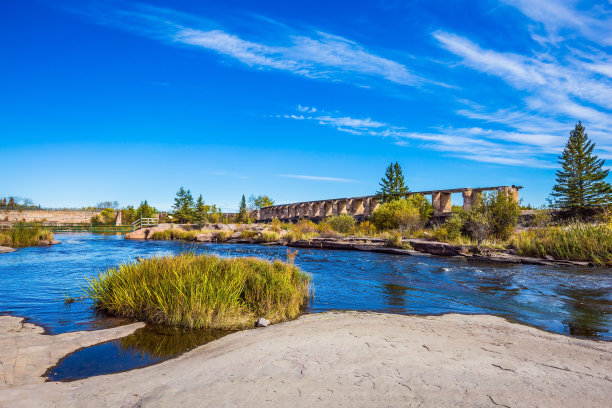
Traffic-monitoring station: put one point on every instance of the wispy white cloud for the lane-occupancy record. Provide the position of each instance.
(558, 89)
(558, 18)
(317, 55)
(317, 178)
(473, 143)
(270, 46)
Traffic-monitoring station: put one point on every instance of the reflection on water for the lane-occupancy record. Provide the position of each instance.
(573, 301)
(163, 342)
(149, 345)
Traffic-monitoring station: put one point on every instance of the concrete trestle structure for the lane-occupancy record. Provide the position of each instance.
(363, 207)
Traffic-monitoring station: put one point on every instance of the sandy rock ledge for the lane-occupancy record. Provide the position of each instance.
(26, 352)
(358, 359)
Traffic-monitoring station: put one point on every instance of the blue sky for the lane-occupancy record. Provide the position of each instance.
(300, 100)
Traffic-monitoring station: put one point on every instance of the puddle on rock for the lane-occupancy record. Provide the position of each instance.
(149, 345)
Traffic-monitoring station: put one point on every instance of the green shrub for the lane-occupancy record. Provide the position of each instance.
(107, 216)
(324, 228)
(305, 227)
(342, 223)
(494, 215)
(201, 291)
(574, 242)
(365, 228)
(409, 214)
(96, 220)
(455, 225)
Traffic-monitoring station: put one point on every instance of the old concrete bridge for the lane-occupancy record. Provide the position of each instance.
(363, 207)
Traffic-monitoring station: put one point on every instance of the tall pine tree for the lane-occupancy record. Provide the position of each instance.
(243, 216)
(581, 181)
(183, 206)
(392, 185)
(200, 213)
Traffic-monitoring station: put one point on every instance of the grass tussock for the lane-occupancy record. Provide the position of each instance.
(576, 242)
(201, 291)
(394, 240)
(269, 236)
(20, 235)
(222, 236)
(176, 233)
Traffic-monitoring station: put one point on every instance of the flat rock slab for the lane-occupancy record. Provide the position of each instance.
(26, 352)
(5, 250)
(358, 359)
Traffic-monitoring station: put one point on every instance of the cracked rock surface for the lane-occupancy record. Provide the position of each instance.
(358, 359)
(26, 352)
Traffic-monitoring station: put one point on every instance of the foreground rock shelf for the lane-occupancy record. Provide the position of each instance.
(26, 352)
(357, 359)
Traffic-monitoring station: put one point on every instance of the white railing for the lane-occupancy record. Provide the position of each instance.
(144, 223)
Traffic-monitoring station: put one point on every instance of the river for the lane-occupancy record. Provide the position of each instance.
(34, 282)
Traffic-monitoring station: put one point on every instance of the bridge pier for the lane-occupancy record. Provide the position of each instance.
(341, 207)
(470, 197)
(327, 209)
(441, 202)
(118, 218)
(314, 210)
(356, 206)
(371, 205)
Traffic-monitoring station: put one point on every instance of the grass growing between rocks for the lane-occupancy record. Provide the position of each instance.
(21, 236)
(177, 233)
(576, 242)
(202, 291)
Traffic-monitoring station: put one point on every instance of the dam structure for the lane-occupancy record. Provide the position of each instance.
(362, 207)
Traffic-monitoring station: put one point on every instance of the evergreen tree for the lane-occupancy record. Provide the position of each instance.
(581, 181)
(145, 210)
(243, 216)
(183, 206)
(200, 214)
(392, 186)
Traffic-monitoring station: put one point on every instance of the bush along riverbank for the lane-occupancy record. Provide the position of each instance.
(202, 291)
(21, 235)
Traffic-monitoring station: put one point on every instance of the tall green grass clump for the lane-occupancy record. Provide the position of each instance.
(574, 242)
(201, 291)
(22, 236)
(177, 233)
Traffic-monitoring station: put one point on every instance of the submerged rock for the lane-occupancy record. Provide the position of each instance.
(5, 250)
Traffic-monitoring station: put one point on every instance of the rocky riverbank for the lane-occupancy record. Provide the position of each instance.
(235, 234)
(350, 359)
(26, 352)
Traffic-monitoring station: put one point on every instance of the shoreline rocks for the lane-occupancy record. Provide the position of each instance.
(353, 243)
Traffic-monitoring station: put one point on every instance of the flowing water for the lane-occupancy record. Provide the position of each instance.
(34, 283)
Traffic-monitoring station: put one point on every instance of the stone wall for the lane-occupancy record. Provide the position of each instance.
(59, 216)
